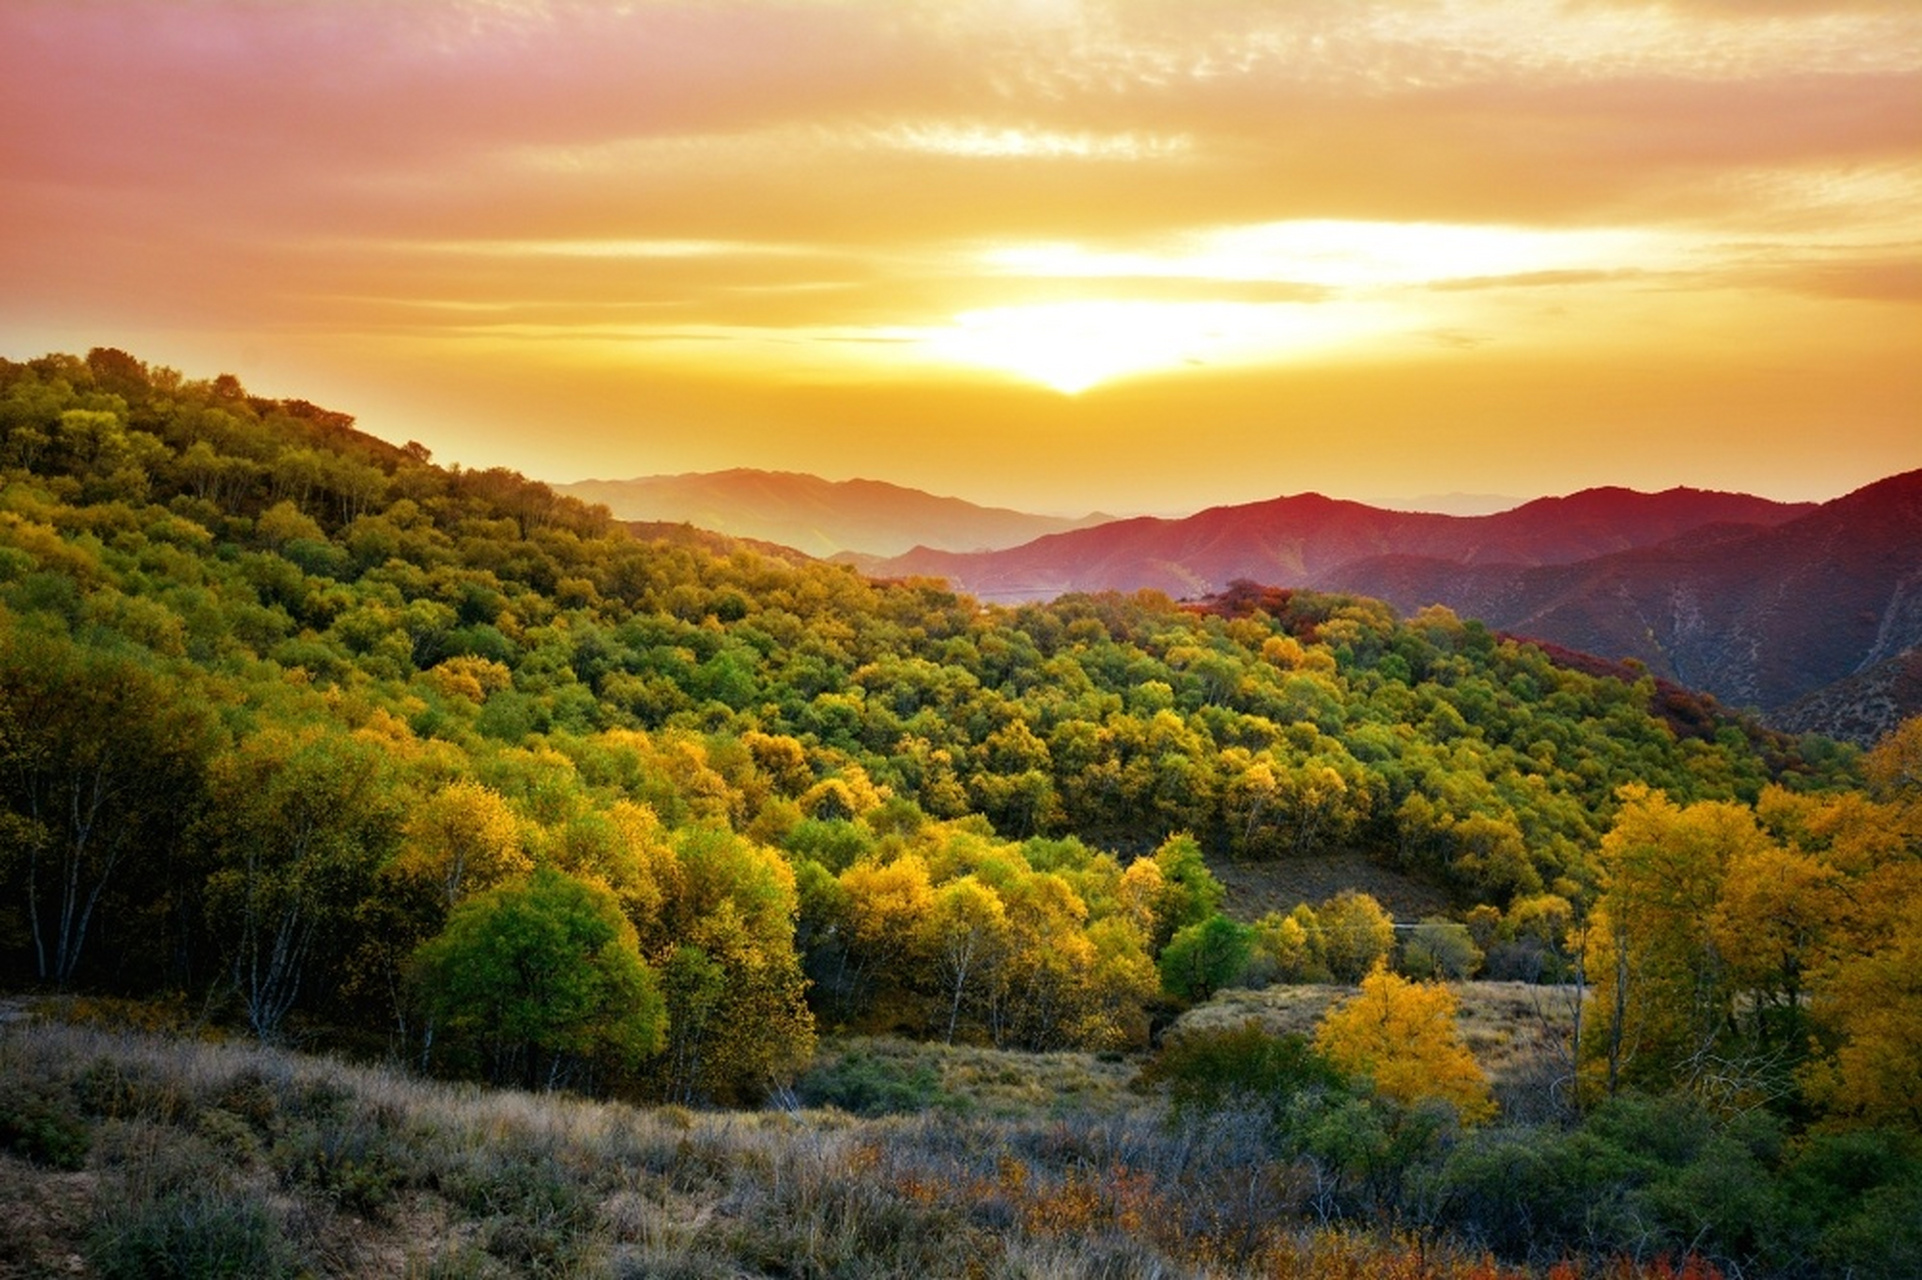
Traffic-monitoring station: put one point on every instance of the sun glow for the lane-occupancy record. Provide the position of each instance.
(1072, 346)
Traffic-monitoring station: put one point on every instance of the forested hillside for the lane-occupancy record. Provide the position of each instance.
(329, 740)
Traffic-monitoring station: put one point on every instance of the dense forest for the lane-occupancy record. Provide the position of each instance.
(345, 748)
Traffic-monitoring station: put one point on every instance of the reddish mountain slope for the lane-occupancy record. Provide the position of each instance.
(1304, 540)
(1757, 617)
(1758, 603)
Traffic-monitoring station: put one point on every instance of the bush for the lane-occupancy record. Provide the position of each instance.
(41, 1123)
(190, 1235)
(869, 1084)
(1209, 1071)
(357, 1163)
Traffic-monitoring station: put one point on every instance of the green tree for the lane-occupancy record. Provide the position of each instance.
(1203, 958)
(102, 761)
(1189, 892)
(300, 821)
(543, 976)
(1440, 949)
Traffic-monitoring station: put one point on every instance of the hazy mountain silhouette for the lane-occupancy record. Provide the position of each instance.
(820, 517)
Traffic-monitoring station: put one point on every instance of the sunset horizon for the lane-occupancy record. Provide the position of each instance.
(1050, 255)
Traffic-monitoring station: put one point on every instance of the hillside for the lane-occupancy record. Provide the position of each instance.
(1758, 603)
(1758, 617)
(466, 669)
(334, 746)
(161, 1156)
(820, 517)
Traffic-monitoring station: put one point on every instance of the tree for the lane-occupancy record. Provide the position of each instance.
(464, 837)
(1440, 949)
(888, 908)
(1875, 1002)
(1662, 995)
(967, 935)
(1403, 1036)
(1189, 891)
(724, 939)
(1203, 958)
(100, 757)
(544, 977)
(1356, 934)
(299, 824)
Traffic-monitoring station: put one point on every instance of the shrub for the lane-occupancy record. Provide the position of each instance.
(190, 1235)
(870, 1084)
(1209, 1071)
(40, 1122)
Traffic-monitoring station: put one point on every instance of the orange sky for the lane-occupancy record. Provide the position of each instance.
(1063, 255)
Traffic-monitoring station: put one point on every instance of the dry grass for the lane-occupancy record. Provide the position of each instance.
(973, 1080)
(1518, 1032)
(206, 1158)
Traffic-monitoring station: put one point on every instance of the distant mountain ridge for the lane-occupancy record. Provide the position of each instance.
(1762, 618)
(1307, 539)
(820, 517)
(1760, 603)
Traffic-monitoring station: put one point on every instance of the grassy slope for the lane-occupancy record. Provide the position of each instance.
(156, 1151)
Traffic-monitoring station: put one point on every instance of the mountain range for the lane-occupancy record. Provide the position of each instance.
(1308, 540)
(820, 517)
(1807, 612)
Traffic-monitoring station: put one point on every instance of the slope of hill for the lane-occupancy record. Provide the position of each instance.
(414, 683)
(437, 766)
(1758, 617)
(1306, 539)
(820, 517)
(1757, 602)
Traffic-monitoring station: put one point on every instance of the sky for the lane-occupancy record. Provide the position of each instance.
(1062, 255)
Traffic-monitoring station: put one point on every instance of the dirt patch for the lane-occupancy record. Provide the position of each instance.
(1280, 884)
(44, 1217)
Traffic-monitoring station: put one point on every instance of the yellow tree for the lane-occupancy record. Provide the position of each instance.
(889, 904)
(1874, 1001)
(1662, 995)
(1049, 962)
(465, 839)
(1778, 911)
(1120, 986)
(1356, 934)
(1403, 1036)
(966, 934)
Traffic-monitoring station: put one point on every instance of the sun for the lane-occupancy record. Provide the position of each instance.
(1074, 346)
